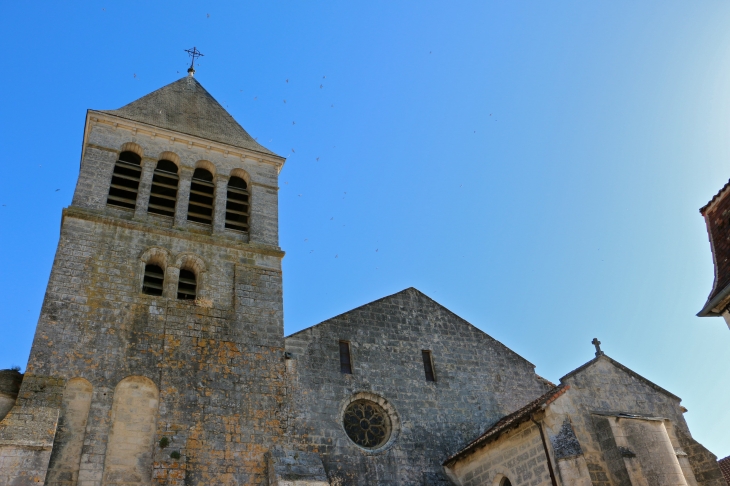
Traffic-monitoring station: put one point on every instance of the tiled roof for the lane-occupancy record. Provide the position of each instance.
(717, 220)
(719, 193)
(185, 106)
(725, 468)
(510, 421)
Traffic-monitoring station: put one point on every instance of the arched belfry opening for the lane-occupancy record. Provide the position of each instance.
(237, 205)
(202, 189)
(163, 194)
(125, 181)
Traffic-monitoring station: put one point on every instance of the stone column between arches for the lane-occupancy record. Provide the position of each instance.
(145, 186)
(219, 204)
(183, 197)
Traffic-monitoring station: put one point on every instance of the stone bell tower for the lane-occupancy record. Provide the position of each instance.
(159, 353)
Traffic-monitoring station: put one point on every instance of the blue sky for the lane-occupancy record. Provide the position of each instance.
(535, 167)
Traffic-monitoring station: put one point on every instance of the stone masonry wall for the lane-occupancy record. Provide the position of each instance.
(105, 142)
(477, 381)
(217, 363)
(605, 387)
(517, 455)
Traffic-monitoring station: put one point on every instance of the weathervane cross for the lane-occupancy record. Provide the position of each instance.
(597, 344)
(193, 53)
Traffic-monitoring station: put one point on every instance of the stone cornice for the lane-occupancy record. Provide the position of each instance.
(182, 138)
(217, 240)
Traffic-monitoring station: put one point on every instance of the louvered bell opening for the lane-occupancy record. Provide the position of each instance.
(237, 205)
(200, 208)
(154, 277)
(186, 285)
(163, 194)
(125, 181)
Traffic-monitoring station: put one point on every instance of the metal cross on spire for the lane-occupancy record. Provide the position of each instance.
(193, 53)
(597, 344)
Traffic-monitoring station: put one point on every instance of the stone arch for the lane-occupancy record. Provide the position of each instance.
(64, 464)
(207, 165)
(500, 479)
(171, 156)
(242, 174)
(190, 261)
(153, 256)
(389, 409)
(132, 147)
(157, 255)
(130, 444)
(195, 264)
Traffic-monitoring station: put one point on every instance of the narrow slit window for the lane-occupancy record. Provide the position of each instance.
(186, 285)
(202, 189)
(428, 365)
(154, 277)
(345, 362)
(125, 181)
(237, 205)
(163, 194)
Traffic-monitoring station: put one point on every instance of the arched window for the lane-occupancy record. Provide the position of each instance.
(200, 208)
(163, 194)
(505, 482)
(154, 277)
(125, 181)
(237, 206)
(186, 285)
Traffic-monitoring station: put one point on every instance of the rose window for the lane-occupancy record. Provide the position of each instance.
(366, 424)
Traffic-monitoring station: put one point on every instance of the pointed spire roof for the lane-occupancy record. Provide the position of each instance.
(185, 106)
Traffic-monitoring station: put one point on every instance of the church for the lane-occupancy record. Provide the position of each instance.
(160, 357)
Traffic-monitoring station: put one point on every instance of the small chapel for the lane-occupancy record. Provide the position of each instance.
(159, 356)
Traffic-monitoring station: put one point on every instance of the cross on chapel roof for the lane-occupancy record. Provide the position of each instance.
(597, 344)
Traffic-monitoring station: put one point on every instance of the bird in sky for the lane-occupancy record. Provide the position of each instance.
(135, 75)
(208, 15)
(287, 81)
(336, 256)
(293, 150)
(284, 101)
(323, 77)
(293, 123)
(317, 159)
(255, 98)
(320, 86)
(58, 190)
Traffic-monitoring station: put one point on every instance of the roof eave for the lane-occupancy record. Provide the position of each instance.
(272, 157)
(709, 310)
(523, 415)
